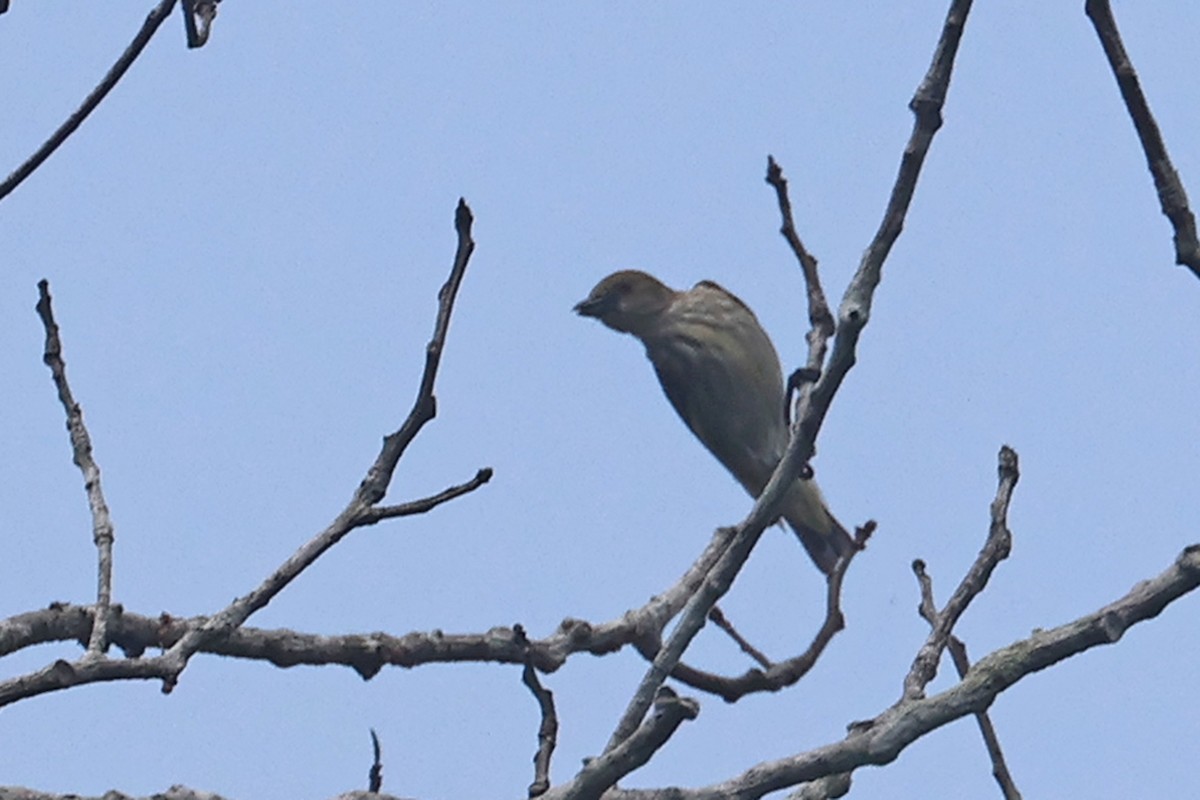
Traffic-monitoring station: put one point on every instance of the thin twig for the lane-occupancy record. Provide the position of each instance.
(81, 446)
(370, 491)
(788, 672)
(548, 728)
(819, 317)
(881, 740)
(714, 586)
(692, 618)
(962, 664)
(718, 618)
(599, 774)
(153, 20)
(375, 774)
(378, 513)
(374, 485)
(1172, 197)
(855, 310)
(995, 549)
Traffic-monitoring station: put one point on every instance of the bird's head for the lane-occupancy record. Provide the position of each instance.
(628, 301)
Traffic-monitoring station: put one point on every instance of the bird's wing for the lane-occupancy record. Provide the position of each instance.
(720, 371)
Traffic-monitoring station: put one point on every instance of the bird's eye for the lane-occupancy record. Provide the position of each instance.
(623, 287)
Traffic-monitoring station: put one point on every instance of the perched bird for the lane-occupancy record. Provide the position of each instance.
(721, 373)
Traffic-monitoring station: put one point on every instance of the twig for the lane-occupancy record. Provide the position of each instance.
(855, 310)
(374, 485)
(81, 447)
(881, 740)
(995, 549)
(1172, 197)
(958, 653)
(367, 654)
(206, 631)
(670, 711)
(819, 317)
(548, 729)
(813, 406)
(784, 673)
(692, 618)
(718, 618)
(375, 774)
(153, 20)
(378, 513)
(716, 583)
(370, 491)
(714, 586)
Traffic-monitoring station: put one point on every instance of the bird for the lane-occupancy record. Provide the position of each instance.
(721, 373)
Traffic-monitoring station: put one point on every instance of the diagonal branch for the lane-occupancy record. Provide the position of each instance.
(855, 310)
(962, 664)
(203, 633)
(548, 728)
(926, 106)
(81, 446)
(370, 491)
(881, 740)
(819, 317)
(773, 677)
(378, 513)
(1172, 197)
(153, 20)
(995, 549)
(634, 751)
(374, 485)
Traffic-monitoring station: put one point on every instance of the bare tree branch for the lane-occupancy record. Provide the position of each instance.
(375, 774)
(370, 491)
(774, 677)
(206, 631)
(368, 653)
(958, 653)
(820, 319)
(374, 485)
(855, 310)
(635, 750)
(995, 550)
(153, 20)
(81, 447)
(378, 513)
(881, 740)
(1172, 197)
(718, 618)
(547, 729)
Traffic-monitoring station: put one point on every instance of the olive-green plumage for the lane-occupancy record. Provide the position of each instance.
(720, 371)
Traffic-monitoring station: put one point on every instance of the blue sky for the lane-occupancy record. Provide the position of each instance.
(245, 243)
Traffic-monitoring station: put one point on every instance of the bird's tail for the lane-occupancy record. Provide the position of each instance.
(821, 534)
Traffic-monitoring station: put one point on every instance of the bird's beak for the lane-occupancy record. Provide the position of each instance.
(595, 306)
